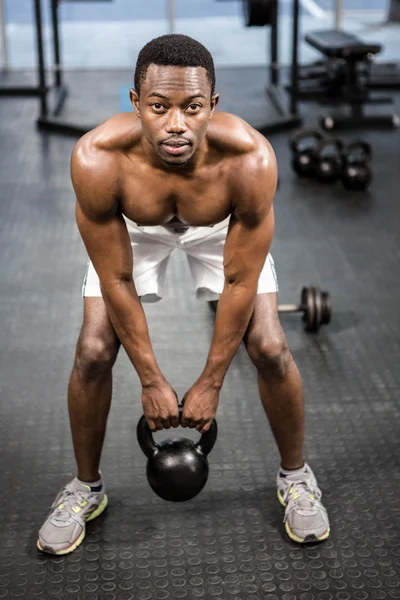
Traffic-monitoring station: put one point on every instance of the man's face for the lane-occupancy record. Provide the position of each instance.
(175, 107)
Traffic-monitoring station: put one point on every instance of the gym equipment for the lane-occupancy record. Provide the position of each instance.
(384, 76)
(177, 469)
(40, 90)
(394, 11)
(328, 166)
(303, 156)
(258, 13)
(347, 53)
(356, 170)
(315, 305)
(47, 115)
(339, 79)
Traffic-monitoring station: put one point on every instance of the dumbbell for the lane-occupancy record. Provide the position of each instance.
(315, 305)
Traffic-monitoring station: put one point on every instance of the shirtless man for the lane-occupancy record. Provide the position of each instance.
(175, 173)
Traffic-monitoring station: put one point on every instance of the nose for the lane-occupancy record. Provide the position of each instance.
(176, 122)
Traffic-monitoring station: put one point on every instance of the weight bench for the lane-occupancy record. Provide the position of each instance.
(351, 54)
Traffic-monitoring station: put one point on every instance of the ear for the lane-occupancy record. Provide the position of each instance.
(134, 100)
(214, 102)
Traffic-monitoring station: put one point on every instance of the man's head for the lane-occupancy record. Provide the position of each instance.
(174, 95)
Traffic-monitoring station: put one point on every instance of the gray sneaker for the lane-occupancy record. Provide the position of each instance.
(306, 519)
(64, 528)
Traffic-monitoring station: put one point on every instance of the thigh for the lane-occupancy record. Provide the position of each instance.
(206, 261)
(97, 334)
(264, 329)
(205, 254)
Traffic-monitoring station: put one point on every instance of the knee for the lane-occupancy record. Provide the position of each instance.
(95, 356)
(271, 357)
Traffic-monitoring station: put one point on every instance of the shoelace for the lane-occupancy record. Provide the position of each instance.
(301, 491)
(68, 499)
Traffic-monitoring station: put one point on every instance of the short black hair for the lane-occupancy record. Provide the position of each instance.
(174, 50)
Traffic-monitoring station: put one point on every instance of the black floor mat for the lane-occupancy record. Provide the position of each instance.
(229, 542)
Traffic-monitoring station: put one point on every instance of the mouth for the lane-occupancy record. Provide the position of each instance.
(175, 148)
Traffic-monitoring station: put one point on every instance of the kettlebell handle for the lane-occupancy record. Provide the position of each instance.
(149, 447)
(302, 134)
(362, 145)
(328, 143)
(207, 441)
(145, 438)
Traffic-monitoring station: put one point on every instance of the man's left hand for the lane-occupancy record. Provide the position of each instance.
(200, 405)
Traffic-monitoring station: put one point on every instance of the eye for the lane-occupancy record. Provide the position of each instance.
(194, 107)
(157, 106)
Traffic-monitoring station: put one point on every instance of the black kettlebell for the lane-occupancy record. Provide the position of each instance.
(177, 469)
(356, 170)
(328, 160)
(303, 158)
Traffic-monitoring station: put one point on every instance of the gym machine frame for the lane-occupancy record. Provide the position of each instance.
(286, 105)
(354, 101)
(7, 90)
(40, 89)
(46, 120)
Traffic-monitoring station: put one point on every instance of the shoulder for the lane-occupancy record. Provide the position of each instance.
(251, 152)
(253, 174)
(231, 133)
(95, 159)
(97, 152)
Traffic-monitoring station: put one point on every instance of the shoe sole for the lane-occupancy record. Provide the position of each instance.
(99, 510)
(309, 539)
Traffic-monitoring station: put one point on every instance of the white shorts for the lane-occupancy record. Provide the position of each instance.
(203, 246)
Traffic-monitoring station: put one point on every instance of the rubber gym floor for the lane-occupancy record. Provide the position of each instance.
(229, 542)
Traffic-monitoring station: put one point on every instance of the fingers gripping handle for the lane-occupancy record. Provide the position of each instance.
(149, 447)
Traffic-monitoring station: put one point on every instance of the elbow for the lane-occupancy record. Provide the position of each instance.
(238, 283)
(114, 285)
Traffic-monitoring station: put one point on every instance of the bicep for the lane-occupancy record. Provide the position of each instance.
(247, 247)
(108, 245)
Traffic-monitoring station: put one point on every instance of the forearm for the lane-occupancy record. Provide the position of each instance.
(129, 321)
(234, 311)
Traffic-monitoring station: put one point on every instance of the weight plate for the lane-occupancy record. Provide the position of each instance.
(326, 308)
(258, 13)
(308, 307)
(318, 309)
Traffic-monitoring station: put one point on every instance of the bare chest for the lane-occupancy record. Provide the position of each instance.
(162, 201)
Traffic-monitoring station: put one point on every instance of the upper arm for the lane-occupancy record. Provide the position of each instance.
(251, 226)
(98, 216)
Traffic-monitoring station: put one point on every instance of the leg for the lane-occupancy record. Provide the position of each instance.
(281, 392)
(279, 380)
(89, 399)
(90, 387)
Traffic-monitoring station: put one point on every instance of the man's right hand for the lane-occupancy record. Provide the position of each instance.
(160, 406)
